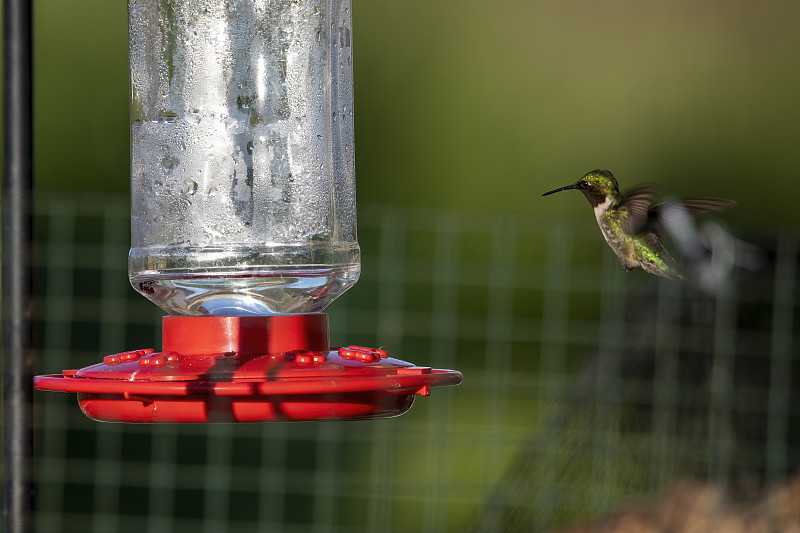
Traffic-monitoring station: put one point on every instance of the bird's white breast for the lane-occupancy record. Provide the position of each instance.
(604, 225)
(600, 210)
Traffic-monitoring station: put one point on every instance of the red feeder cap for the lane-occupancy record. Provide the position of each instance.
(189, 335)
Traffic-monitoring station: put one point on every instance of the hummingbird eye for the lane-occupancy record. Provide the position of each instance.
(583, 184)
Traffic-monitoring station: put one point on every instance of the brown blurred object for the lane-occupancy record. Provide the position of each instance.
(701, 508)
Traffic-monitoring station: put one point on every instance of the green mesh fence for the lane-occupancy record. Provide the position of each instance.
(585, 390)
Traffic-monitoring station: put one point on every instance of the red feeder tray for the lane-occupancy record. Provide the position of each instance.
(247, 369)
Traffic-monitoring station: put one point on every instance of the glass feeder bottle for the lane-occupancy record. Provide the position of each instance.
(242, 165)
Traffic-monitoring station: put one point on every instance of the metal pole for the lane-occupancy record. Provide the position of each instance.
(16, 276)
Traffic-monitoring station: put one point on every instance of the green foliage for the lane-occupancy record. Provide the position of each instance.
(466, 104)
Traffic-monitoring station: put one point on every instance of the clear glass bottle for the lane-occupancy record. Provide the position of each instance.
(242, 166)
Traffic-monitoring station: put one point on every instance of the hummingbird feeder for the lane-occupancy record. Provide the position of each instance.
(243, 222)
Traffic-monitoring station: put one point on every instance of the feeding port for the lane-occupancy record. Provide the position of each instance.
(243, 222)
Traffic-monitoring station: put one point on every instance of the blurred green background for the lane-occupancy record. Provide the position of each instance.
(465, 113)
(485, 105)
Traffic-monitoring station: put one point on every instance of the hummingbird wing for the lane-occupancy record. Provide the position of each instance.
(638, 202)
(698, 206)
(691, 206)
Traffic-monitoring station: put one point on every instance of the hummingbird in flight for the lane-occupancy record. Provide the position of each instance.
(631, 222)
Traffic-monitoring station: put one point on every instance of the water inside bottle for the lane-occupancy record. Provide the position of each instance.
(267, 292)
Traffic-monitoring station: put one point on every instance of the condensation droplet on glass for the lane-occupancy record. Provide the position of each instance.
(169, 164)
(167, 118)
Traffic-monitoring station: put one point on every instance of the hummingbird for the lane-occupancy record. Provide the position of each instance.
(630, 222)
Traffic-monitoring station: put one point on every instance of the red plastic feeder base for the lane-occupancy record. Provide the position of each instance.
(247, 369)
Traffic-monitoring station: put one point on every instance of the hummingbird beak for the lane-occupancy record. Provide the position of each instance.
(568, 187)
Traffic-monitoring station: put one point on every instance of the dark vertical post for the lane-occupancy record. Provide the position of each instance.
(17, 245)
